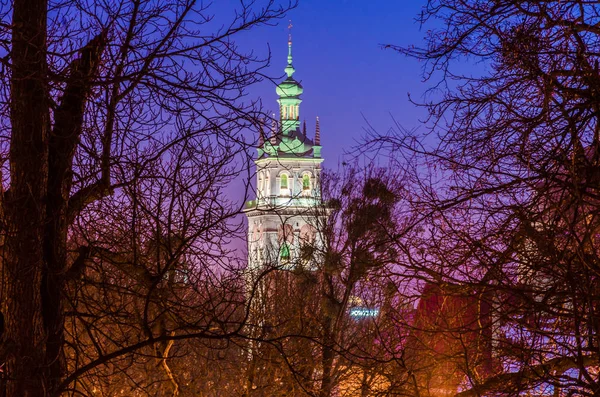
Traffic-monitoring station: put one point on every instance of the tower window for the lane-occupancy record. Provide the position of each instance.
(284, 185)
(267, 185)
(261, 185)
(305, 182)
(284, 252)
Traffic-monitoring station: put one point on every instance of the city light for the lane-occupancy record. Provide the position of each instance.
(363, 312)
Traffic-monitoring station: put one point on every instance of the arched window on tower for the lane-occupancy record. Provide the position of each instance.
(286, 239)
(306, 184)
(261, 185)
(267, 185)
(284, 253)
(284, 188)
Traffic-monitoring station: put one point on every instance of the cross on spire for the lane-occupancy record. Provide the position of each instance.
(289, 69)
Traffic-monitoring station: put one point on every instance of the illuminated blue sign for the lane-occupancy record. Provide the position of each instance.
(363, 312)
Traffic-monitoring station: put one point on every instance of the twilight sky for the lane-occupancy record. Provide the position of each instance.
(347, 76)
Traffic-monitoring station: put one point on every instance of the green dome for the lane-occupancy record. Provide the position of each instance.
(289, 88)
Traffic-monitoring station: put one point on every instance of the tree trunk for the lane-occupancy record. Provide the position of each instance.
(327, 362)
(24, 202)
(62, 144)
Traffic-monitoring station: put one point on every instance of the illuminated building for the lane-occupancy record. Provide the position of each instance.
(283, 219)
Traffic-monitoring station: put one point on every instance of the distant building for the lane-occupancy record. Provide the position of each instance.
(449, 344)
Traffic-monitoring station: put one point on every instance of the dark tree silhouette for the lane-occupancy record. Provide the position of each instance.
(305, 339)
(505, 187)
(121, 123)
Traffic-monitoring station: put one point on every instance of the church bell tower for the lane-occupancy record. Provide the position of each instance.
(284, 218)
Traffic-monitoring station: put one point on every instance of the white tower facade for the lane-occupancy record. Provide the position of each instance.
(284, 219)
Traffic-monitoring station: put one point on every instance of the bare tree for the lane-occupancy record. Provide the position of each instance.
(359, 233)
(157, 280)
(504, 187)
(324, 320)
(121, 121)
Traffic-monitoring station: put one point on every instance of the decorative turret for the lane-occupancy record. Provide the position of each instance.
(289, 91)
(273, 138)
(317, 145)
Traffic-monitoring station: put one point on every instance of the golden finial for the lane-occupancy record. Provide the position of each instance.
(290, 32)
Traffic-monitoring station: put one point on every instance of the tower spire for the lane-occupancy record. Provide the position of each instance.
(289, 69)
(318, 133)
(289, 91)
